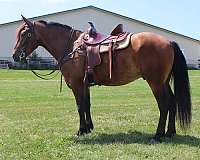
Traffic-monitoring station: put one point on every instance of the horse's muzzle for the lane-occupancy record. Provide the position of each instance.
(16, 57)
(19, 57)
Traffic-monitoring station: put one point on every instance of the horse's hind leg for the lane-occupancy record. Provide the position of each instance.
(171, 130)
(162, 97)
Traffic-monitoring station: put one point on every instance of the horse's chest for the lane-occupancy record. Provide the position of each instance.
(73, 70)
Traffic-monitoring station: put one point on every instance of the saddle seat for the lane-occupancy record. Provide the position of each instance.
(92, 37)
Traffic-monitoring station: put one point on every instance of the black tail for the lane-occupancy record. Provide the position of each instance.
(181, 87)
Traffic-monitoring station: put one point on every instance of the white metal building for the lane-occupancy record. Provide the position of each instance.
(104, 22)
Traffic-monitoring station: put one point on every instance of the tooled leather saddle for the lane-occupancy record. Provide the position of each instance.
(97, 43)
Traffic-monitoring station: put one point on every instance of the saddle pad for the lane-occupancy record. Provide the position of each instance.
(104, 47)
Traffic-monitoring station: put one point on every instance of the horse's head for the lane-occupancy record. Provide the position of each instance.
(26, 41)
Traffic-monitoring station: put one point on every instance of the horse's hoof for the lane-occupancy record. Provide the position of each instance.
(79, 133)
(90, 127)
(76, 136)
(155, 141)
(82, 131)
(170, 135)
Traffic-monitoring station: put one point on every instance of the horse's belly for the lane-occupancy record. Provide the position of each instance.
(124, 71)
(124, 76)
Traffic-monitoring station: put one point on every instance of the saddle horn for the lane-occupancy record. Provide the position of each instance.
(92, 30)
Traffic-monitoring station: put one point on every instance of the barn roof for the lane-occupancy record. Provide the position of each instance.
(109, 12)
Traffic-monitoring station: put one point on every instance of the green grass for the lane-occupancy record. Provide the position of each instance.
(37, 122)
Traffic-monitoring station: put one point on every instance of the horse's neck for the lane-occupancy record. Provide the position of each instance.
(58, 46)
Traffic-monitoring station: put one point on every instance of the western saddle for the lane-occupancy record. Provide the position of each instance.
(97, 43)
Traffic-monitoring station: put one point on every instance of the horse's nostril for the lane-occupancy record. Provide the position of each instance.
(13, 56)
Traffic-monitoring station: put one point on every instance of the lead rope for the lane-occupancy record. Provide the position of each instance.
(61, 76)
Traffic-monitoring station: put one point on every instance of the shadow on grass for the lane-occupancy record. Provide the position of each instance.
(136, 137)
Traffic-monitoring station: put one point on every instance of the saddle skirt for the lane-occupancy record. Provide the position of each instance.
(117, 44)
(95, 48)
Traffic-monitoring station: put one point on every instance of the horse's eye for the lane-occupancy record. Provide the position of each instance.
(29, 35)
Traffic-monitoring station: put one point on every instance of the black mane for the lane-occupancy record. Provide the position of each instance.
(55, 24)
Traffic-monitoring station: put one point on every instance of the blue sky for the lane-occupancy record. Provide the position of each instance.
(181, 16)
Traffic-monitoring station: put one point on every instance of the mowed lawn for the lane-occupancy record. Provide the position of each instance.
(37, 122)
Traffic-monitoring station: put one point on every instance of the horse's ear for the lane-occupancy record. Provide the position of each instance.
(29, 23)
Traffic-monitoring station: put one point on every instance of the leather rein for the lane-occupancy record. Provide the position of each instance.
(66, 57)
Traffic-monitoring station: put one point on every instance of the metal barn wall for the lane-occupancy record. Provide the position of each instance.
(104, 22)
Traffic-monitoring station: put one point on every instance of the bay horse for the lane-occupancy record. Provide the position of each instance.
(148, 56)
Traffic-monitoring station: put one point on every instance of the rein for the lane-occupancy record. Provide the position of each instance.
(64, 58)
(43, 76)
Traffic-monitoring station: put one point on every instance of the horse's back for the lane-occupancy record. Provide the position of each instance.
(154, 55)
(151, 39)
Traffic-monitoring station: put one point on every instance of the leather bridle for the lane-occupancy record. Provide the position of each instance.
(25, 40)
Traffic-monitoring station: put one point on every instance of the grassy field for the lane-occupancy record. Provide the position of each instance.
(37, 122)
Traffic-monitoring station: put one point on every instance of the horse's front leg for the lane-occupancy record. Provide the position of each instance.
(88, 114)
(79, 93)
